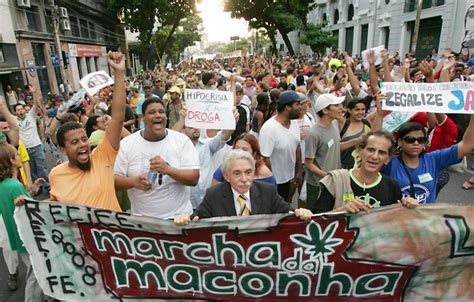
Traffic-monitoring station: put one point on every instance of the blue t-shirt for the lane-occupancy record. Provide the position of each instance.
(425, 175)
(219, 176)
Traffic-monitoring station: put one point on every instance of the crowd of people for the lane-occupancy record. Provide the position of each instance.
(310, 126)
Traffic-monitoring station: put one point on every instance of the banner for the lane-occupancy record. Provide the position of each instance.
(209, 109)
(95, 81)
(389, 254)
(446, 97)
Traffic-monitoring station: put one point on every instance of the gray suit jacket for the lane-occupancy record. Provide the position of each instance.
(219, 201)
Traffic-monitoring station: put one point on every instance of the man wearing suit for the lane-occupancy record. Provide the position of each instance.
(239, 195)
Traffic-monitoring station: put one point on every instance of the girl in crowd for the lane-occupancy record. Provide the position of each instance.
(352, 129)
(249, 143)
(416, 170)
(10, 190)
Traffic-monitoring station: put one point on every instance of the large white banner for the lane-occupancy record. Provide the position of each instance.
(209, 109)
(448, 97)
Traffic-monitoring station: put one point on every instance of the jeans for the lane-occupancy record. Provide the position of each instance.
(38, 164)
(11, 257)
(33, 292)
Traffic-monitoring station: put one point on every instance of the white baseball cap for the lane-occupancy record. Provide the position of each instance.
(327, 99)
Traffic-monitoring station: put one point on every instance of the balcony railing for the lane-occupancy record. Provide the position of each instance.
(411, 5)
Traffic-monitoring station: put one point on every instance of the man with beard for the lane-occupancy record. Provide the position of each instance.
(87, 178)
(279, 141)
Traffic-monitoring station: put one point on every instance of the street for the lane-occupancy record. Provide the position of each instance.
(452, 193)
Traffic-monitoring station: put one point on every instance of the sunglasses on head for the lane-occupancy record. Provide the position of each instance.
(413, 139)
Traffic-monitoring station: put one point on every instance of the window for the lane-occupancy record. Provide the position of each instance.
(325, 17)
(88, 64)
(92, 31)
(336, 16)
(84, 29)
(79, 67)
(350, 12)
(74, 27)
(364, 37)
(48, 20)
(32, 18)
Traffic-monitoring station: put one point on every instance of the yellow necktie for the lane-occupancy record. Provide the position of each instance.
(244, 210)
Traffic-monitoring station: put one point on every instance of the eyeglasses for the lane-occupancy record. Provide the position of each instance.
(412, 139)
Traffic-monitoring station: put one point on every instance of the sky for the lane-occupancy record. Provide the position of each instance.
(218, 25)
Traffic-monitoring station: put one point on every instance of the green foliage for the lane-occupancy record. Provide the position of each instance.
(242, 44)
(189, 31)
(149, 16)
(317, 38)
(273, 15)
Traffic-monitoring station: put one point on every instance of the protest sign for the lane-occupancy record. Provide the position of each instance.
(75, 101)
(447, 97)
(79, 253)
(378, 55)
(95, 81)
(209, 109)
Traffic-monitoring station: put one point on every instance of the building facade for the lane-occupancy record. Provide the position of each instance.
(87, 32)
(362, 24)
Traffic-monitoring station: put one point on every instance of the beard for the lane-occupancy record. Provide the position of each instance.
(294, 115)
(84, 166)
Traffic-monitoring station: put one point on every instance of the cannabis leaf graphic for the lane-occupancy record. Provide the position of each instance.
(318, 244)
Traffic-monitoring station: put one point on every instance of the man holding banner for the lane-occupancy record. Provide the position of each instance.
(239, 195)
(87, 177)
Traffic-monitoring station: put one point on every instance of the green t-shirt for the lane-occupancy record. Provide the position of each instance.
(10, 189)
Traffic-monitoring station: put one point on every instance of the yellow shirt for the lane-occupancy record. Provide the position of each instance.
(93, 188)
(23, 158)
(134, 100)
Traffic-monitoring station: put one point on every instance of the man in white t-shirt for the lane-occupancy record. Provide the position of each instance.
(157, 166)
(30, 137)
(280, 143)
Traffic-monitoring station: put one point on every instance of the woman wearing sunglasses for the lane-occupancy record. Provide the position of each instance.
(415, 169)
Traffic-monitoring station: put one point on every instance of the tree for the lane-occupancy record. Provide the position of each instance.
(148, 16)
(316, 37)
(283, 16)
(185, 35)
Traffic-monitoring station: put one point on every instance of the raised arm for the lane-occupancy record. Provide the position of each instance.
(114, 130)
(387, 76)
(353, 80)
(373, 76)
(14, 133)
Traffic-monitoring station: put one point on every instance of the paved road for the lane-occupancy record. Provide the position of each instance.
(452, 193)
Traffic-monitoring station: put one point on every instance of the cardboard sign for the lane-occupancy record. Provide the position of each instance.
(377, 51)
(452, 97)
(79, 253)
(95, 81)
(209, 109)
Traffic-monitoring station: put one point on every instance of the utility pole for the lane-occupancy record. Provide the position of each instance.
(55, 24)
(417, 27)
